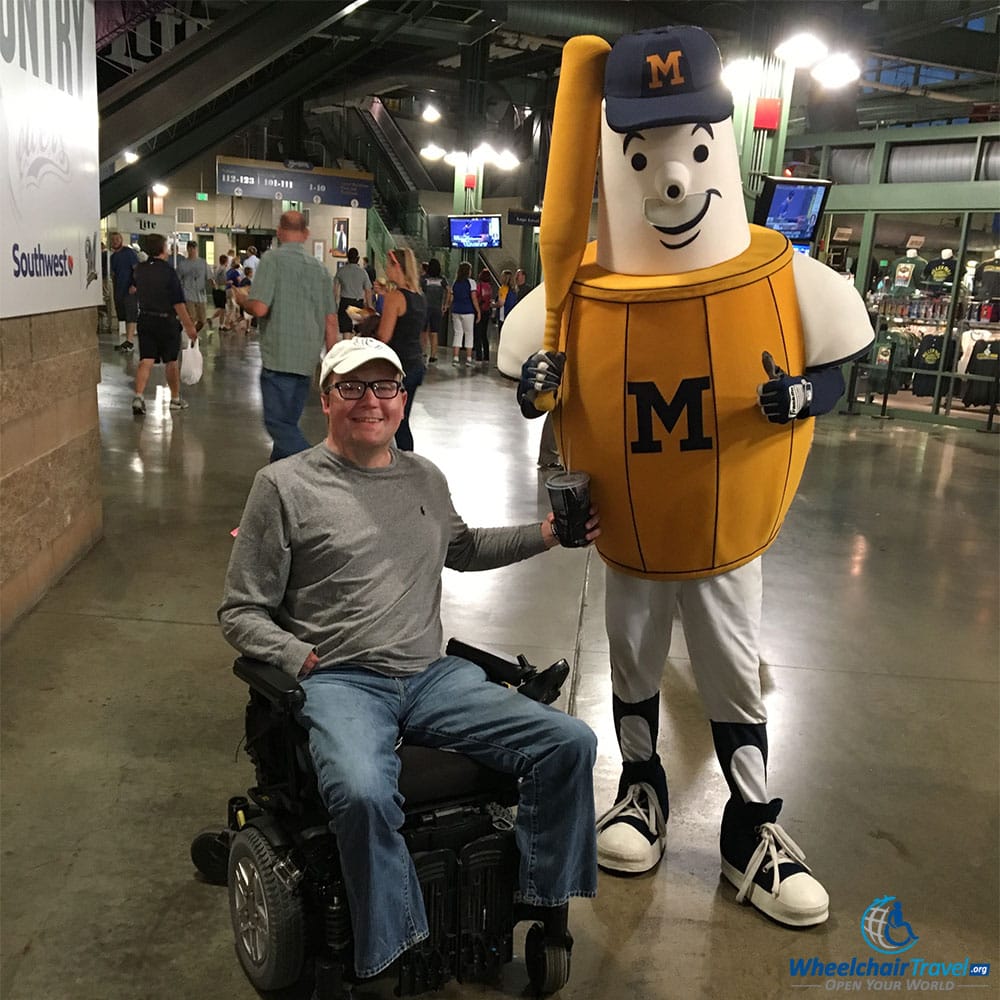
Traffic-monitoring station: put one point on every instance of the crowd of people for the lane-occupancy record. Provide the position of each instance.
(300, 313)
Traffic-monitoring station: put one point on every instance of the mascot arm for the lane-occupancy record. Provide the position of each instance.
(522, 333)
(792, 397)
(836, 330)
(835, 321)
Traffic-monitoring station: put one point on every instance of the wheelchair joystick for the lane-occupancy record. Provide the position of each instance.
(545, 687)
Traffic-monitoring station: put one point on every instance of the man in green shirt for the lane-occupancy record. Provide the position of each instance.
(292, 297)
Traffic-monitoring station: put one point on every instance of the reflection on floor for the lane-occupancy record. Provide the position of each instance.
(121, 720)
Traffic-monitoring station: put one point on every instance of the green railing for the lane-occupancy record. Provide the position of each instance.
(380, 240)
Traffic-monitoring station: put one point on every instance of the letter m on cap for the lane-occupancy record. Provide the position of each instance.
(669, 68)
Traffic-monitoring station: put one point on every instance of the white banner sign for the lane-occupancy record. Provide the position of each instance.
(49, 188)
(134, 225)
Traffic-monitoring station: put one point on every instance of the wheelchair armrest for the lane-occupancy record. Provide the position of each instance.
(517, 672)
(270, 681)
(498, 667)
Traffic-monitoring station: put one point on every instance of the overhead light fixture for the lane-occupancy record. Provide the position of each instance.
(131, 157)
(431, 114)
(456, 158)
(802, 50)
(484, 153)
(432, 152)
(741, 74)
(160, 189)
(506, 160)
(836, 71)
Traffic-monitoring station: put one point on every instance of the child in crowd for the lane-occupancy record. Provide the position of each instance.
(244, 320)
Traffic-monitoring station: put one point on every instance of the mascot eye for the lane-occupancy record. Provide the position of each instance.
(638, 162)
(700, 153)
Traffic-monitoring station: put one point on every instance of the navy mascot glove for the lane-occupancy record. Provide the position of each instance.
(783, 398)
(542, 372)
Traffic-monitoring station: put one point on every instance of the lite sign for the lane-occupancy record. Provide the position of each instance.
(49, 193)
(276, 182)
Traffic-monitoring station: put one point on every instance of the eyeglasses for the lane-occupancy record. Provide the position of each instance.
(381, 389)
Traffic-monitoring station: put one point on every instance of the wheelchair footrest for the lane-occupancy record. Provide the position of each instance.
(487, 875)
(430, 964)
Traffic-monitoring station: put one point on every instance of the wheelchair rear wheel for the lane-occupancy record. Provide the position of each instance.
(547, 961)
(267, 916)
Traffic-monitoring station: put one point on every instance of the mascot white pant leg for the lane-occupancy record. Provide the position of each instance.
(721, 617)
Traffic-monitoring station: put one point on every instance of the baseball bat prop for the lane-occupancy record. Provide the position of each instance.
(569, 180)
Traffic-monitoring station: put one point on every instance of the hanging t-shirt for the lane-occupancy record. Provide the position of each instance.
(940, 272)
(928, 358)
(905, 274)
(985, 360)
(987, 281)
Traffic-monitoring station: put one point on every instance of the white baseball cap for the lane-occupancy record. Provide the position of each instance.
(347, 355)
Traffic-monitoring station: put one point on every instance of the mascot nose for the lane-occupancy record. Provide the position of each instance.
(674, 182)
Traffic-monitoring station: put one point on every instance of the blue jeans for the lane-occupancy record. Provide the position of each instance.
(284, 395)
(404, 436)
(355, 716)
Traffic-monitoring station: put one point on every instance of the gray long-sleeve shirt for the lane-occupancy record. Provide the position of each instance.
(347, 561)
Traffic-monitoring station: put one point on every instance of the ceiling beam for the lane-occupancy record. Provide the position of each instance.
(204, 67)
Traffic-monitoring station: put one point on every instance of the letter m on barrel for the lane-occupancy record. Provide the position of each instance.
(669, 68)
(649, 400)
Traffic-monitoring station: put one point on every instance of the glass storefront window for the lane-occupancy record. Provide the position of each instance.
(839, 241)
(977, 318)
(935, 310)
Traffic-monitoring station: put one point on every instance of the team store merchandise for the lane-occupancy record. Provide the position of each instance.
(911, 313)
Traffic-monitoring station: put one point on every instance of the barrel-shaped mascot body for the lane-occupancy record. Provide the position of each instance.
(659, 400)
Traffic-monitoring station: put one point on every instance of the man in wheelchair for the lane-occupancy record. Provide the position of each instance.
(335, 576)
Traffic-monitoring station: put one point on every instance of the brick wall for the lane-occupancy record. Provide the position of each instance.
(50, 452)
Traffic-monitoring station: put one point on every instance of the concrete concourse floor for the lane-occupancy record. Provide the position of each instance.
(121, 719)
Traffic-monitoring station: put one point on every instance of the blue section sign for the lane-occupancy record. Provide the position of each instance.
(316, 186)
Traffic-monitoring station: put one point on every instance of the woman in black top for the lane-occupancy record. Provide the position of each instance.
(402, 322)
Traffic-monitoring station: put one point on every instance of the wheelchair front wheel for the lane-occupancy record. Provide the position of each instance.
(267, 916)
(547, 961)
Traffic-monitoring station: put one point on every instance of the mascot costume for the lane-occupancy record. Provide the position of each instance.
(653, 343)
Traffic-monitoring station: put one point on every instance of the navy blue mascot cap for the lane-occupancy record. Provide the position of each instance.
(665, 76)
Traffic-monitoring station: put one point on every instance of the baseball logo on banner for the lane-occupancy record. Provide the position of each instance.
(49, 178)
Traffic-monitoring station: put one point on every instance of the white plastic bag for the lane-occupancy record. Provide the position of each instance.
(192, 363)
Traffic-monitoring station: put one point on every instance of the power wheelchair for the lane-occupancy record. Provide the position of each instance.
(279, 858)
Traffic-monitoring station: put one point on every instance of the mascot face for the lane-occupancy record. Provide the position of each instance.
(671, 199)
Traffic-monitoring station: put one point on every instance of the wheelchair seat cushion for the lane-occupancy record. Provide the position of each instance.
(429, 776)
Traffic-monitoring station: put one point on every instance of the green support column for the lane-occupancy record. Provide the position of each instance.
(762, 151)
(472, 73)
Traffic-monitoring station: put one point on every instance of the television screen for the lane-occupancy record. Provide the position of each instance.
(474, 232)
(792, 206)
(803, 248)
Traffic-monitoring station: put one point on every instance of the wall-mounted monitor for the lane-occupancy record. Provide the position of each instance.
(474, 232)
(803, 248)
(792, 206)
